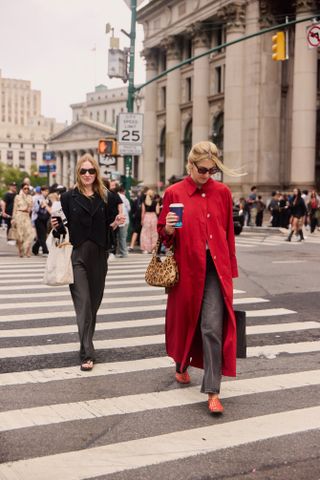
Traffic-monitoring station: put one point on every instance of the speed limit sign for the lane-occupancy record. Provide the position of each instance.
(130, 133)
(313, 35)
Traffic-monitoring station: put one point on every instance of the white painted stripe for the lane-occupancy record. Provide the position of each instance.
(68, 373)
(104, 407)
(270, 312)
(66, 293)
(70, 313)
(268, 351)
(145, 298)
(271, 351)
(133, 454)
(65, 303)
(109, 276)
(149, 322)
(63, 329)
(289, 261)
(40, 274)
(139, 309)
(36, 350)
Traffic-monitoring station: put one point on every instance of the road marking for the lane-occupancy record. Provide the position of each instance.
(271, 312)
(68, 373)
(289, 261)
(149, 322)
(133, 454)
(40, 274)
(104, 407)
(268, 351)
(66, 292)
(126, 299)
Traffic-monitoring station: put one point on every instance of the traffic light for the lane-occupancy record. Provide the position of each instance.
(279, 46)
(107, 146)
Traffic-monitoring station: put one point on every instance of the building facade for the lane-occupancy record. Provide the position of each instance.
(262, 114)
(24, 132)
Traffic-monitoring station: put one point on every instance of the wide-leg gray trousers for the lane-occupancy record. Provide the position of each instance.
(90, 267)
(211, 323)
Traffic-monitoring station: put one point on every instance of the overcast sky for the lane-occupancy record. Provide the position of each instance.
(51, 42)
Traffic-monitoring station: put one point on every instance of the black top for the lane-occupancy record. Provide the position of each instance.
(152, 207)
(8, 198)
(298, 207)
(88, 218)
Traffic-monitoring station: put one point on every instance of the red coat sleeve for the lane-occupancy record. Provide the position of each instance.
(230, 238)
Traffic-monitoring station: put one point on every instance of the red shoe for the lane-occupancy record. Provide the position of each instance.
(183, 377)
(215, 406)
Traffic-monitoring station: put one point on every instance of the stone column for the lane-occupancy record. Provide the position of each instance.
(65, 167)
(200, 113)
(58, 167)
(73, 161)
(173, 141)
(234, 16)
(149, 171)
(304, 107)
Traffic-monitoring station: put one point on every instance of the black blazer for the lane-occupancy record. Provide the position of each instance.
(88, 219)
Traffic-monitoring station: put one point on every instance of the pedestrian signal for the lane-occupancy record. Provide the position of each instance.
(279, 46)
(107, 146)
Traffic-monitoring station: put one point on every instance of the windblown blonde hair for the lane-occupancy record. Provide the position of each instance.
(208, 151)
(98, 186)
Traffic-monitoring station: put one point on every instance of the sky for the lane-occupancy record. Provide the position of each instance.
(62, 48)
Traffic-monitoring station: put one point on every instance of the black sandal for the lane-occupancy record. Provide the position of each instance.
(87, 365)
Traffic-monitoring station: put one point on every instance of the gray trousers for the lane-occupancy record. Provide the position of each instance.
(211, 323)
(89, 262)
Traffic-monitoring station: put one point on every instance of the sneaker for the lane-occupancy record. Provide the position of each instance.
(130, 249)
(111, 257)
(215, 406)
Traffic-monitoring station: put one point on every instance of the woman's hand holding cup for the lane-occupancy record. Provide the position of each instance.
(171, 220)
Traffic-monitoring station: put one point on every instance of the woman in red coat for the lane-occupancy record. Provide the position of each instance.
(200, 321)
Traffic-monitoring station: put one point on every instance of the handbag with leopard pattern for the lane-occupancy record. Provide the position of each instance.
(162, 272)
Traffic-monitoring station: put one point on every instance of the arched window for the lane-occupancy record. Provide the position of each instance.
(217, 131)
(187, 140)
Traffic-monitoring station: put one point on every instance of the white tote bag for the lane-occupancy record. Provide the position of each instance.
(58, 270)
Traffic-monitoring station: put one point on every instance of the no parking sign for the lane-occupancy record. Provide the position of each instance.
(313, 35)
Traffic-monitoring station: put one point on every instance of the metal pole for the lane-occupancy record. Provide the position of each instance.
(128, 158)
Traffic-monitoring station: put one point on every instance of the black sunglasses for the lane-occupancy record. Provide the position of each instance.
(83, 171)
(204, 170)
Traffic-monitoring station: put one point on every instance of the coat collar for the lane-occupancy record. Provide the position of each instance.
(192, 187)
(83, 201)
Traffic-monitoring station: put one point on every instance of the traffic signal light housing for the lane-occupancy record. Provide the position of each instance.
(107, 147)
(279, 46)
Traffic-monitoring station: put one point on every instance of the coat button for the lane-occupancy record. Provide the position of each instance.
(208, 215)
(210, 236)
(203, 195)
(214, 258)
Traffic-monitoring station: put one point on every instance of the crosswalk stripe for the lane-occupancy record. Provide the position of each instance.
(149, 322)
(103, 407)
(68, 373)
(40, 274)
(269, 351)
(126, 299)
(112, 458)
(268, 312)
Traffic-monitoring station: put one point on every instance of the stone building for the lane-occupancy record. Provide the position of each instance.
(23, 130)
(92, 119)
(262, 114)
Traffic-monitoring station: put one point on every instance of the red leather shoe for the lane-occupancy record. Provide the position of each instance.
(183, 377)
(215, 406)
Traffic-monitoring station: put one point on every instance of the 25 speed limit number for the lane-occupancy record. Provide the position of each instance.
(130, 129)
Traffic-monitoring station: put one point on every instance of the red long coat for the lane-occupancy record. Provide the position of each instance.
(207, 218)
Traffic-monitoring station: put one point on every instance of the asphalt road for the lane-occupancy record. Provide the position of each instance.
(128, 419)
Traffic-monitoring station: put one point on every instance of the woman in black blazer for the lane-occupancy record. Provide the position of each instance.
(298, 211)
(89, 216)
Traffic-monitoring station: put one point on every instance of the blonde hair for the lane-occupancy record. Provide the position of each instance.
(98, 186)
(149, 197)
(206, 150)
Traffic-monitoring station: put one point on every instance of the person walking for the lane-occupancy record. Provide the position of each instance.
(123, 230)
(200, 321)
(89, 214)
(260, 209)
(313, 210)
(21, 221)
(298, 211)
(7, 206)
(40, 215)
(149, 217)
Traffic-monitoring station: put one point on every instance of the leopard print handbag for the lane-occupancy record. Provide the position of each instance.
(162, 273)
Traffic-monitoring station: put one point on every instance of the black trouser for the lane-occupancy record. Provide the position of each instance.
(90, 267)
(41, 229)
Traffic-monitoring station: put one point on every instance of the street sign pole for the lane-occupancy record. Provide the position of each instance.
(128, 158)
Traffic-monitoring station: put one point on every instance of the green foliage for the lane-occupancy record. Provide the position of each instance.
(13, 174)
